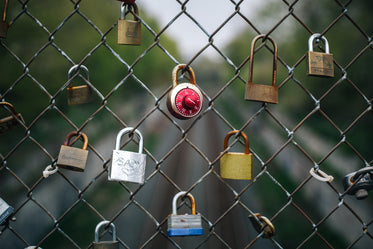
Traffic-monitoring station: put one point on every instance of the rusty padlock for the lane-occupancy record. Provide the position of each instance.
(12, 121)
(129, 32)
(113, 244)
(79, 94)
(258, 92)
(319, 64)
(185, 100)
(73, 158)
(236, 165)
(3, 24)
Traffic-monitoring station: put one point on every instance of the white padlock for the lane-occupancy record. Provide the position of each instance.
(128, 166)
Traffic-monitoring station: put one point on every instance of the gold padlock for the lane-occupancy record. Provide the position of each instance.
(73, 158)
(79, 94)
(257, 92)
(235, 165)
(129, 32)
(3, 24)
(319, 64)
(12, 121)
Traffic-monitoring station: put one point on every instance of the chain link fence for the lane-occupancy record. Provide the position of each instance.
(320, 125)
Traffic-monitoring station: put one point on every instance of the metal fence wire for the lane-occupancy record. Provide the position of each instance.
(318, 135)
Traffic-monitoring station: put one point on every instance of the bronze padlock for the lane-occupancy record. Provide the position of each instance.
(12, 121)
(319, 64)
(129, 32)
(236, 165)
(257, 92)
(73, 158)
(79, 94)
(3, 24)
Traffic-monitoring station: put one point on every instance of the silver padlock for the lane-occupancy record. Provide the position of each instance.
(114, 244)
(5, 211)
(127, 165)
(33, 247)
(184, 224)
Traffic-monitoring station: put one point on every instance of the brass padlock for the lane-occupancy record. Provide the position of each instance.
(257, 92)
(12, 121)
(79, 94)
(319, 64)
(234, 165)
(73, 158)
(114, 244)
(129, 32)
(184, 100)
(3, 24)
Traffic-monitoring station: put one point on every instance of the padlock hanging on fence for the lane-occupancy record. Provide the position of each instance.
(113, 244)
(185, 100)
(129, 31)
(79, 94)
(12, 121)
(3, 24)
(359, 183)
(318, 63)
(259, 92)
(5, 211)
(128, 166)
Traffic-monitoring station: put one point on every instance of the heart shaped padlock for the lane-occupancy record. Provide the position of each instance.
(185, 100)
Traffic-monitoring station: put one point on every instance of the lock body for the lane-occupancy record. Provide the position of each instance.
(184, 225)
(129, 32)
(261, 93)
(106, 245)
(3, 29)
(72, 158)
(320, 64)
(234, 165)
(5, 211)
(79, 95)
(127, 166)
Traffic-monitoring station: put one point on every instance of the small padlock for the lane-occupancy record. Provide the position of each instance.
(129, 32)
(319, 64)
(79, 94)
(184, 224)
(3, 24)
(73, 158)
(127, 165)
(263, 224)
(5, 211)
(234, 165)
(359, 183)
(10, 122)
(114, 244)
(185, 100)
(258, 92)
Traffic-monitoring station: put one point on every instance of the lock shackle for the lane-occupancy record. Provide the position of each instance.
(251, 65)
(360, 172)
(242, 134)
(318, 36)
(263, 224)
(5, 9)
(73, 134)
(177, 196)
(128, 130)
(102, 223)
(10, 106)
(125, 6)
(72, 71)
(188, 69)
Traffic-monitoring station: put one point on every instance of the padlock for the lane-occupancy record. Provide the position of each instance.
(114, 244)
(79, 94)
(33, 247)
(184, 224)
(73, 158)
(359, 183)
(258, 92)
(185, 100)
(263, 224)
(5, 211)
(319, 64)
(12, 121)
(235, 165)
(127, 165)
(129, 32)
(3, 24)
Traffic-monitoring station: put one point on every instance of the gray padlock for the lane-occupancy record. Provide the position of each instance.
(114, 244)
(5, 211)
(127, 165)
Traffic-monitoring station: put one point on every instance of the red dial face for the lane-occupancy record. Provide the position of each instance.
(188, 102)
